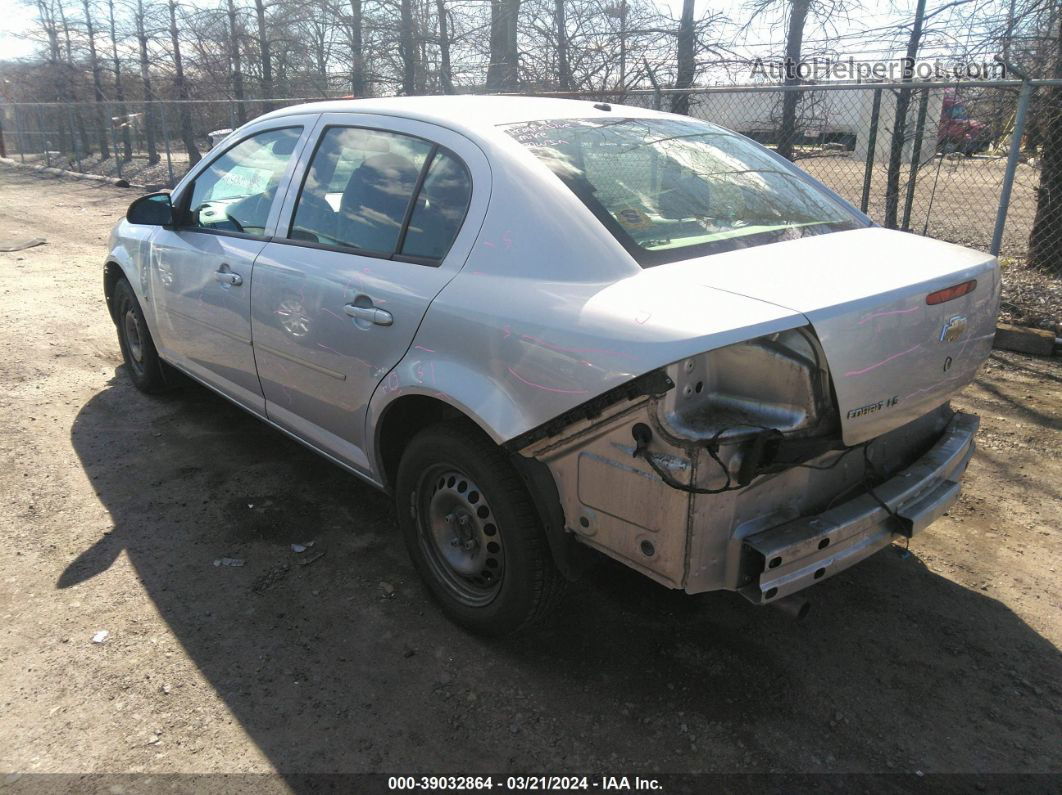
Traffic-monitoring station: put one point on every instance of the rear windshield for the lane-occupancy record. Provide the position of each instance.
(672, 189)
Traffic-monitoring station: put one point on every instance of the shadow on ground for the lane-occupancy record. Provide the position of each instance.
(897, 668)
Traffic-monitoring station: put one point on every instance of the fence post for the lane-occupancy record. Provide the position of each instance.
(43, 135)
(166, 139)
(114, 141)
(1012, 164)
(872, 142)
(18, 136)
(74, 137)
(916, 157)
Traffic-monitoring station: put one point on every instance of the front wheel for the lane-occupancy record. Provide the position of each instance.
(138, 349)
(472, 531)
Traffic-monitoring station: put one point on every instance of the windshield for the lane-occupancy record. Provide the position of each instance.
(671, 189)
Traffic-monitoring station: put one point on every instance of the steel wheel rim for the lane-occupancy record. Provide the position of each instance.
(459, 536)
(134, 341)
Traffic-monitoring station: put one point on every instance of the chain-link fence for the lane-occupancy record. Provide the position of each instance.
(155, 142)
(964, 162)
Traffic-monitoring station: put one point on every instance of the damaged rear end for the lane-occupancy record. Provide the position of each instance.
(773, 459)
(771, 464)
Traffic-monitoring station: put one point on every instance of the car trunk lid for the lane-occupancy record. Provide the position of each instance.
(893, 356)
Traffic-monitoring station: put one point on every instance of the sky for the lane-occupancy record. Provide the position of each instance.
(15, 18)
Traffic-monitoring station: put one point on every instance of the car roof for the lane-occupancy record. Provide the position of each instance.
(471, 113)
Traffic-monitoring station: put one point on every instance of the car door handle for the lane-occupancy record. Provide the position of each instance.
(381, 317)
(228, 277)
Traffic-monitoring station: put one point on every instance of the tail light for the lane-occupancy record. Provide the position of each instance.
(951, 293)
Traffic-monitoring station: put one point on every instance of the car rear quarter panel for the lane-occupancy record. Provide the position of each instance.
(550, 311)
(514, 353)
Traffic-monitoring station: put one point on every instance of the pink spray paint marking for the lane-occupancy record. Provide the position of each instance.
(561, 349)
(874, 315)
(556, 390)
(884, 361)
(336, 315)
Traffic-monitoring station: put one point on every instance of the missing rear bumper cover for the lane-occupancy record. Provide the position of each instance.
(786, 559)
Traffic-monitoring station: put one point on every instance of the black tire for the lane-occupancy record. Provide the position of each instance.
(453, 470)
(141, 359)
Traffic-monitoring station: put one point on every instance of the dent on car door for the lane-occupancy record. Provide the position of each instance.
(203, 265)
(373, 234)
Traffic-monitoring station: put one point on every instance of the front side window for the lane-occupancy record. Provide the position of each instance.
(236, 192)
(671, 189)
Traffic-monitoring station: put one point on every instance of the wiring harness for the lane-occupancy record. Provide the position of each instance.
(643, 434)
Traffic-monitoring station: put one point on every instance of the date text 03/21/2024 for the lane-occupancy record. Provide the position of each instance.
(523, 783)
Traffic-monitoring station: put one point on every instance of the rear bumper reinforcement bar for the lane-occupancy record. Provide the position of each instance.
(788, 558)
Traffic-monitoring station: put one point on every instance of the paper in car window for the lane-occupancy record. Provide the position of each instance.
(241, 181)
(632, 218)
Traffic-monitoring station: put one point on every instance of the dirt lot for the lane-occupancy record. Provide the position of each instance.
(116, 505)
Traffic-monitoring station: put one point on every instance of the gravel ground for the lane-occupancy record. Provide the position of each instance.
(116, 507)
(1031, 298)
(955, 199)
(137, 171)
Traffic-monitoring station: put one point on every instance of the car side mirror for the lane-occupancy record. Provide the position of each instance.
(155, 209)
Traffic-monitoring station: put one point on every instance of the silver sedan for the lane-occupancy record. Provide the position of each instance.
(551, 328)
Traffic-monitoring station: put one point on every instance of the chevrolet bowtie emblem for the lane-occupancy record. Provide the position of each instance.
(953, 329)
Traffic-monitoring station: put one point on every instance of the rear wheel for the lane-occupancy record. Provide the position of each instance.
(472, 531)
(141, 359)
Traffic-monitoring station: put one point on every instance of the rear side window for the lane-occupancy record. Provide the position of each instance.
(358, 189)
(236, 191)
(440, 208)
(381, 194)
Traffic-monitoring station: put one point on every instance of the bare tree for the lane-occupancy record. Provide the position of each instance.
(686, 67)
(406, 47)
(446, 81)
(142, 36)
(1045, 240)
(181, 89)
(321, 41)
(57, 82)
(119, 90)
(235, 63)
(265, 54)
(564, 69)
(899, 126)
(97, 83)
(359, 85)
(794, 41)
(78, 128)
(401, 46)
(504, 69)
